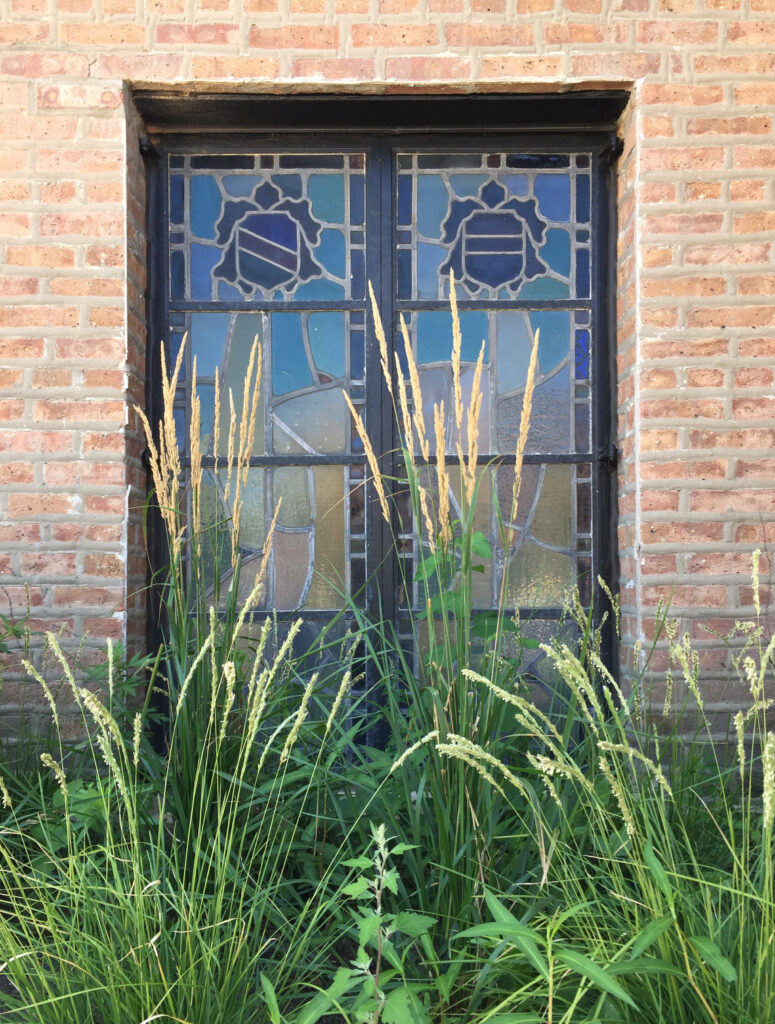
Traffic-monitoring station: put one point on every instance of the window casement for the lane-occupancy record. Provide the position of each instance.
(276, 230)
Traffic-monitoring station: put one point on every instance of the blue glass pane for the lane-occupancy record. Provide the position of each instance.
(467, 184)
(331, 252)
(582, 355)
(290, 369)
(239, 185)
(319, 289)
(204, 205)
(582, 161)
(208, 338)
(357, 363)
(553, 194)
(554, 343)
(203, 259)
(429, 259)
(516, 184)
(404, 266)
(582, 198)
(226, 293)
(434, 336)
(404, 199)
(357, 274)
(289, 184)
(326, 192)
(326, 340)
(304, 160)
(177, 161)
(432, 205)
(537, 160)
(544, 288)
(177, 238)
(582, 236)
(356, 317)
(403, 237)
(582, 273)
(356, 199)
(176, 199)
(177, 274)
(226, 163)
(556, 251)
(456, 160)
(515, 342)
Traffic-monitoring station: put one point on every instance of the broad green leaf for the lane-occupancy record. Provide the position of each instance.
(426, 567)
(593, 972)
(480, 545)
(409, 923)
(498, 911)
(403, 1006)
(271, 999)
(400, 848)
(357, 862)
(390, 880)
(368, 926)
(446, 982)
(514, 1018)
(357, 888)
(320, 1004)
(649, 935)
(712, 955)
(656, 869)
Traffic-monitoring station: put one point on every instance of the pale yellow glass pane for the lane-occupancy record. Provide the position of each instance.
(329, 571)
(538, 576)
(292, 566)
(552, 521)
(292, 484)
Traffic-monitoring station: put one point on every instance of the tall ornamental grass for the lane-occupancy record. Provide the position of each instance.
(496, 862)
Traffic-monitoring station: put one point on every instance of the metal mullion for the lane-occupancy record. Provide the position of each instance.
(535, 459)
(266, 306)
(410, 305)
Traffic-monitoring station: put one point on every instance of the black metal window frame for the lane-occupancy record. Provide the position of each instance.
(379, 127)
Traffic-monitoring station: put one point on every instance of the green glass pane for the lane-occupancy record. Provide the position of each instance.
(208, 335)
(552, 522)
(292, 485)
(233, 373)
(514, 342)
(290, 367)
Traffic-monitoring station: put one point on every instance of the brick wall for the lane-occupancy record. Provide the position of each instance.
(696, 318)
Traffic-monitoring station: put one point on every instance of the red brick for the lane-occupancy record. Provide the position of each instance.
(683, 286)
(755, 93)
(756, 284)
(79, 161)
(715, 469)
(30, 32)
(16, 473)
(657, 379)
(745, 252)
(83, 223)
(86, 597)
(687, 596)
(103, 564)
(44, 65)
(370, 35)
(754, 409)
(171, 34)
(759, 469)
(518, 67)
(702, 190)
(19, 285)
(36, 440)
(730, 125)
(669, 94)
(749, 500)
(155, 66)
(427, 69)
(683, 533)
(754, 157)
(747, 190)
(749, 438)
(234, 67)
(704, 377)
(471, 34)
(751, 33)
(682, 408)
(38, 316)
(102, 349)
(729, 67)
(613, 65)
(292, 37)
(683, 158)
(112, 34)
(731, 316)
(85, 410)
(22, 506)
(48, 563)
(335, 68)
(677, 33)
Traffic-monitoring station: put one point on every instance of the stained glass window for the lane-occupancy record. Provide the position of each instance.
(280, 243)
